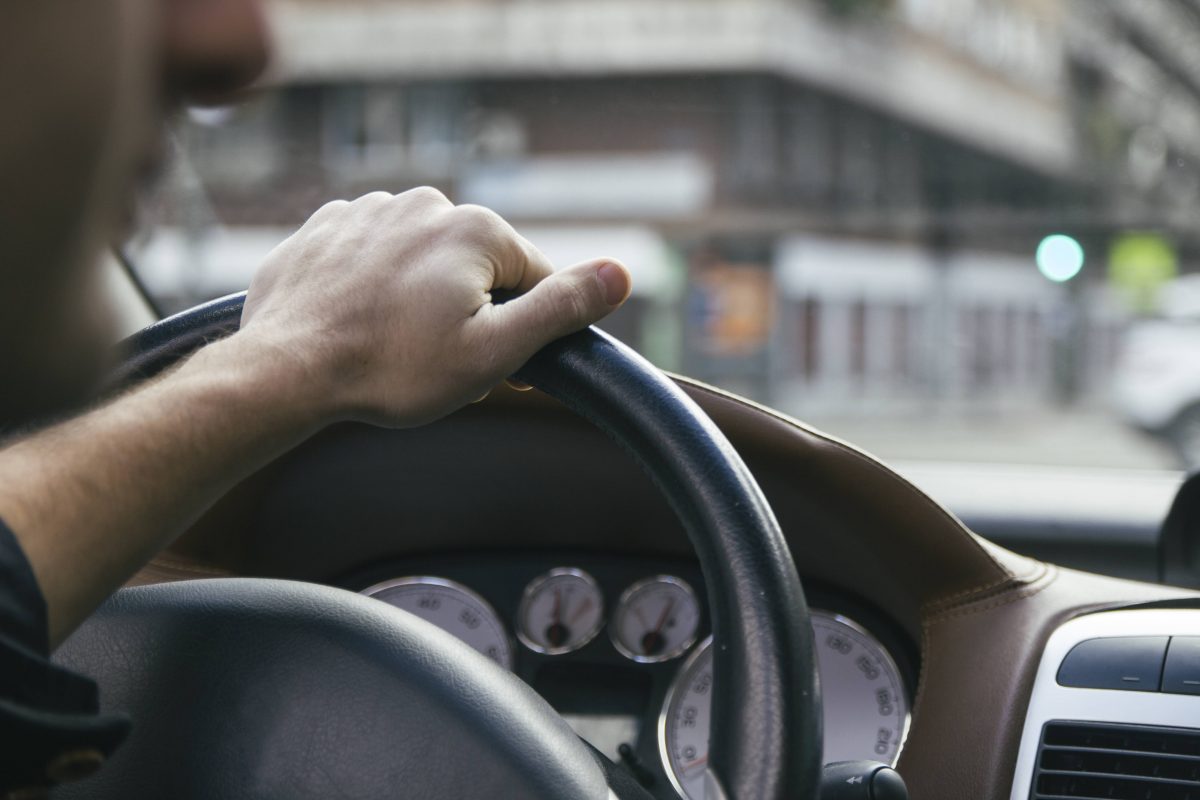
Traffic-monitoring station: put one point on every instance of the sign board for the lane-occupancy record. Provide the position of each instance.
(1138, 266)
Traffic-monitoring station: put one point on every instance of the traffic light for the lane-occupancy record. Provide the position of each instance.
(1059, 257)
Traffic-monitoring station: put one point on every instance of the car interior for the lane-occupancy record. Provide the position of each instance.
(974, 670)
(655, 574)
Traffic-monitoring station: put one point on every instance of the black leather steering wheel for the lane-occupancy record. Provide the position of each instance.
(277, 689)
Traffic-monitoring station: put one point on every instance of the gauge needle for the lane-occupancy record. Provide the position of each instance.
(662, 620)
(583, 609)
(652, 640)
(558, 605)
(702, 760)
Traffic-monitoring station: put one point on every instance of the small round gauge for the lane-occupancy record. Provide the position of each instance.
(560, 611)
(656, 619)
(452, 607)
(863, 696)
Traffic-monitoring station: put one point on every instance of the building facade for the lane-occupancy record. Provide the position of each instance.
(831, 205)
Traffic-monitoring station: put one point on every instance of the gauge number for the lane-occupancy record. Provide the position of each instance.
(452, 607)
(862, 694)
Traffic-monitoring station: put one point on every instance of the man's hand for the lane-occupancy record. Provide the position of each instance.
(377, 310)
(385, 302)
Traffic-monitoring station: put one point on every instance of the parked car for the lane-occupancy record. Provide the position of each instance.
(1157, 384)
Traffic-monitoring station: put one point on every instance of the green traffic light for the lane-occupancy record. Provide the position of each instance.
(1059, 257)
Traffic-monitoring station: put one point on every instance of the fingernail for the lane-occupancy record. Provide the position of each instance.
(615, 281)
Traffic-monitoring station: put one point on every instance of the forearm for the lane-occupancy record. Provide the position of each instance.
(93, 499)
(378, 310)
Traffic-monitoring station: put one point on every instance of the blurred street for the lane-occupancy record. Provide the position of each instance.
(852, 210)
(1067, 438)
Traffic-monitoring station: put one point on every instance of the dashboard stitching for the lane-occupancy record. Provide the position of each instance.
(919, 692)
(934, 608)
(973, 594)
(1048, 575)
(995, 601)
(1034, 568)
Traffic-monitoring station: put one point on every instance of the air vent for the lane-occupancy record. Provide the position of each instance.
(1117, 762)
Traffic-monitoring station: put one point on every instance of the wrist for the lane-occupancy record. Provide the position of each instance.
(289, 385)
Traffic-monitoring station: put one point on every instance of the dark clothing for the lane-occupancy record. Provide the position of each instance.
(48, 715)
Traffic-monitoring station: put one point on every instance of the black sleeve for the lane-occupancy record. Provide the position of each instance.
(50, 724)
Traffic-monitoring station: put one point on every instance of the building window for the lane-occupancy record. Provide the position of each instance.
(235, 144)
(858, 340)
(365, 126)
(810, 338)
(902, 360)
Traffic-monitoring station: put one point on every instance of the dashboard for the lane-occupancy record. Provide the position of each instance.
(621, 648)
(500, 495)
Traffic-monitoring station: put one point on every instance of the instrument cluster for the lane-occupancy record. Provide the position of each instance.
(622, 650)
(561, 610)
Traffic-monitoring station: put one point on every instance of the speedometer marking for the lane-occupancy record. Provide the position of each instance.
(866, 708)
(452, 607)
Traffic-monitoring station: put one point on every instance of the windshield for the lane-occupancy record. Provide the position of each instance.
(939, 229)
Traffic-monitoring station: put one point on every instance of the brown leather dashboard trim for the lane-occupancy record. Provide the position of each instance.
(978, 664)
(991, 567)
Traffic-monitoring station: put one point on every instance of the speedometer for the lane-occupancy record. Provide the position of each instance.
(452, 607)
(862, 693)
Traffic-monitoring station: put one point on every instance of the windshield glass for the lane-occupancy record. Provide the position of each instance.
(939, 229)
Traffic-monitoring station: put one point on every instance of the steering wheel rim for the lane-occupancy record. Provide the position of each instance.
(766, 721)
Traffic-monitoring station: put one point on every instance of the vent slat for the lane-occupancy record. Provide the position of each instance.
(1119, 763)
(1141, 779)
(1093, 761)
(1050, 748)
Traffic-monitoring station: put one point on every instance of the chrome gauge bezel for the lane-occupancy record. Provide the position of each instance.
(677, 684)
(622, 604)
(455, 586)
(531, 590)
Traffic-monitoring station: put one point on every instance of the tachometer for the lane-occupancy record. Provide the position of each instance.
(452, 607)
(560, 611)
(862, 693)
(655, 619)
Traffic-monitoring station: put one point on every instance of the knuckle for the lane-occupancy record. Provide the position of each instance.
(375, 198)
(480, 220)
(426, 195)
(485, 229)
(332, 207)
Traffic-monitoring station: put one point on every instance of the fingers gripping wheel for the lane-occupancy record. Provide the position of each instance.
(766, 740)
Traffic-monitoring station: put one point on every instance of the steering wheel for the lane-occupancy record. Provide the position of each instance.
(244, 687)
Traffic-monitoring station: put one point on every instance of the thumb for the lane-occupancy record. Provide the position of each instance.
(563, 302)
